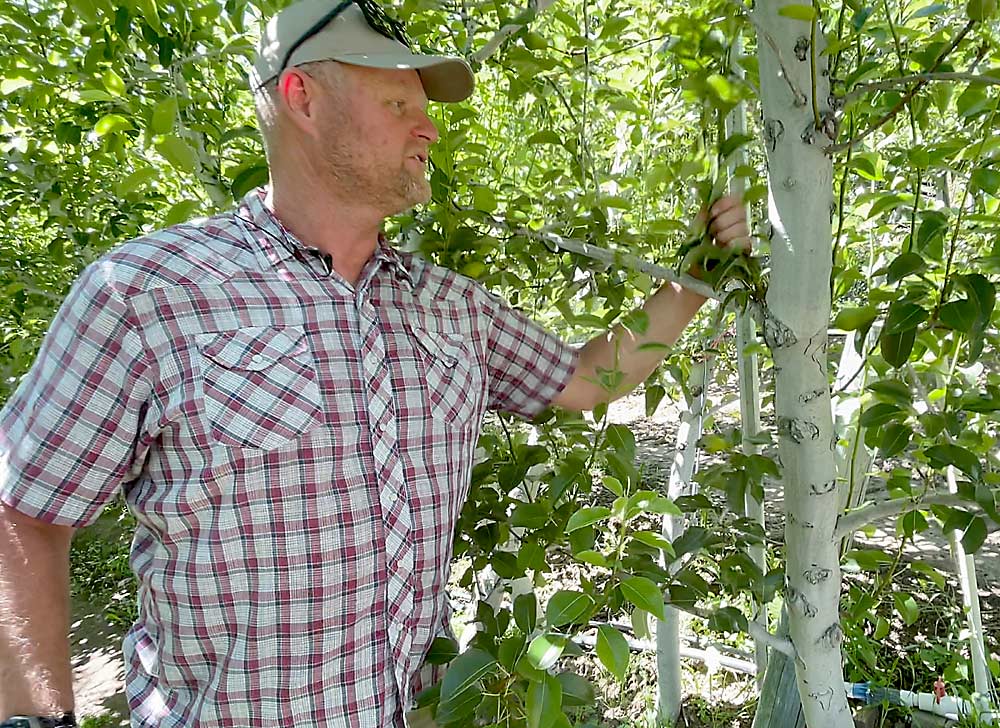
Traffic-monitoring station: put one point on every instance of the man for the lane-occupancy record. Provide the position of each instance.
(290, 408)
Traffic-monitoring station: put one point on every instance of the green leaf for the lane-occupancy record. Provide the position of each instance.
(544, 704)
(526, 612)
(139, 178)
(178, 153)
(586, 517)
(544, 650)
(986, 179)
(545, 136)
(89, 95)
(577, 691)
(181, 212)
(654, 395)
(907, 607)
(895, 390)
(905, 265)
(941, 456)
(879, 414)
(960, 315)
(10, 85)
(896, 348)
(895, 438)
(972, 102)
(568, 607)
(643, 593)
(622, 440)
(928, 10)
(483, 199)
(881, 628)
(731, 144)
(613, 484)
(111, 123)
(612, 651)
(981, 290)
(589, 556)
(933, 226)
(662, 506)
(974, 535)
(461, 691)
(851, 319)
(912, 522)
(904, 316)
(867, 165)
(113, 83)
(728, 619)
(530, 515)
(250, 179)
(798, 12)
(654, 540)
(164, 113)
(636, 321)
(442, 651)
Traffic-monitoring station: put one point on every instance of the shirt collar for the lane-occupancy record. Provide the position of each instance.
(277, 244)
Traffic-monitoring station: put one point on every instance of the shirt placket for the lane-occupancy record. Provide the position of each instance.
(396, 514)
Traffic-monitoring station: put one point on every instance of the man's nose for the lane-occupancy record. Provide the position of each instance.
(427, 129)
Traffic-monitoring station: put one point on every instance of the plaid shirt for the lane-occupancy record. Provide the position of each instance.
(295, 450)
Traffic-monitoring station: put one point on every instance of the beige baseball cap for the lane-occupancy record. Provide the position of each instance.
(349, 37)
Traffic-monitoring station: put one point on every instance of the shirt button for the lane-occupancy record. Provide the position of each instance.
(256, 358)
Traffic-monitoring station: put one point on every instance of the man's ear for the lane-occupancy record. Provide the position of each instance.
(299, 92)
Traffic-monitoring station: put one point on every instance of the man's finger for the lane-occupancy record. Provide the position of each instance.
(726, 203)
(734, 236)
(727, 220)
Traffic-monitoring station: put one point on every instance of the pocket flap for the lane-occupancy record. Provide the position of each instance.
(252, 349)
(448, 349)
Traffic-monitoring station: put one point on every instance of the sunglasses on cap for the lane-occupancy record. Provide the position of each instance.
(376, 17)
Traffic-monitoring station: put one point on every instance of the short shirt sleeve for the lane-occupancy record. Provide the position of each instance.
(527, 365)
(70, 435)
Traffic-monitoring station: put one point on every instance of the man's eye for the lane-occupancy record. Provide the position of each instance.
(398, 105)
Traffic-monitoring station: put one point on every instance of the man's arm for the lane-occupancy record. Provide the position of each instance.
(669, 311)
(35, 673)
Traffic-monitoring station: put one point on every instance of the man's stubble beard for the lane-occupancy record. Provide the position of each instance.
(366, 179)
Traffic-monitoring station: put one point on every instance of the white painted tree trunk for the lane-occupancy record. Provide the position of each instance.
(749, 373)
(965, 566)
(668, 656)
(794, 92)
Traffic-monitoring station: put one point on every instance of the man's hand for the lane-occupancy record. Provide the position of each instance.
(728, 226)
(728, 229)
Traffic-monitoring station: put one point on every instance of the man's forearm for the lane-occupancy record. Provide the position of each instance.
(35, 673)
(669, 310)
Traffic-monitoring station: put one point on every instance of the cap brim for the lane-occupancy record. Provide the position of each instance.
(444, 78)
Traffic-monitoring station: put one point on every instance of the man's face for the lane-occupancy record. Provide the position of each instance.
(376, 136)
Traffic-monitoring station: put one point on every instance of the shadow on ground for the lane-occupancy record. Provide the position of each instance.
(98, 667)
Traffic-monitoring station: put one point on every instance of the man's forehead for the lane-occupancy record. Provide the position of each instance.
(389, 79)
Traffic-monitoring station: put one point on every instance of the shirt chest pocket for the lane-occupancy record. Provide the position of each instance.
(452, 380)
(259, 385)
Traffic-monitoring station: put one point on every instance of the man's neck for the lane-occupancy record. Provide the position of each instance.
(346, 231)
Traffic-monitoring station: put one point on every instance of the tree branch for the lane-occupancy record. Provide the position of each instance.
(906, 98)
(854, 520)
(506, 32)
(800, 98)
(626, 260)
(865, 88)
